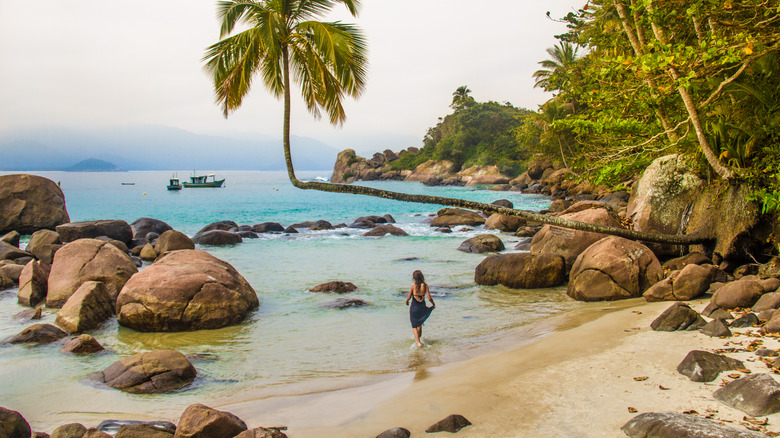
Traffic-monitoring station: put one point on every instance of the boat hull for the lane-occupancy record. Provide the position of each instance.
(207, 184)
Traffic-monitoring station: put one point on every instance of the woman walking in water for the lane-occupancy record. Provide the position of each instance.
(419, 312)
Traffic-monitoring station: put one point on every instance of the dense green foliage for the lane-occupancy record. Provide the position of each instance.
(665, 76)
(475, 133)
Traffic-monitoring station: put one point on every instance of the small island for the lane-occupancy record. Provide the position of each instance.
(94, 165)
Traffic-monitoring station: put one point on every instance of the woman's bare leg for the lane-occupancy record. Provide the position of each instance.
(417, 331)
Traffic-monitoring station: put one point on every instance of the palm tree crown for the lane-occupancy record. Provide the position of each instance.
(563, 55)
(283, 40)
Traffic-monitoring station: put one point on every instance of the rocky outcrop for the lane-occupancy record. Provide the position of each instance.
(200, 421)
(185, 290)
(481, 244)
(687, 284)
(148, 373)
(86, 309)
(30, 203)
(437, 170)
(87, 260)
(613, 268)
(113, 229)
(571, 243)
(521, 270)
(349, 167)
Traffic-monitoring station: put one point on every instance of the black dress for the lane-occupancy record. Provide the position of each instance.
(419, 312)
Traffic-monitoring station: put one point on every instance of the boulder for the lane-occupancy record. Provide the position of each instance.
(662, 197)
(538, 164)
(33, 283)
(147, 252)
(452, 424)
(744, 321)
(613, 268)
(571, 243)
(82, 344)
(13, 425)
(87, 260)
(521, 270)
(261, 432)
(338, 287)
(433, 169)
(145, 225)
(342, 167)
(217, 238)
(29, 203)
(703, 366)
(685, 285)
(70, 430)
(765, 302)
(381, 230)
(321, 225)
(219, 225)
(200, 421)
(738, 294)
(143, 430)
(10, 252)
(678, 425)
(268, 227)
(770, 269)
(149, 373)
(94, 433)
(86, 309)
(38, 334)
(114, 229)
(396, 432)
(756, 395)
(43, 244)
(773, 324)
(481, 244)
(717, 328)
(448, 217)
(344, 303)
(482, 175)
(185, 290)
(12, 238)
(692, 258)
(678, 316)
(172, 240)
(11, 270)
(503, 222)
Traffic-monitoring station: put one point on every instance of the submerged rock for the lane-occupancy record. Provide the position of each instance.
(38, 334)
(148, 373)
(217, 238)
(338, 287)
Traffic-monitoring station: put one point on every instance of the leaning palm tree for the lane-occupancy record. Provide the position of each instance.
(282, 42)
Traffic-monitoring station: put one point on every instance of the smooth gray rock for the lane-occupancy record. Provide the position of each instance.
(396, 432)
(756, 395)
(746, 320)
(678, 316)
(703, 366)
(452, 423)
(717, 328)
(677, 425)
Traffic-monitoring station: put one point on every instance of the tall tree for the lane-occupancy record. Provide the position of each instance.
(327, 60)
(461, 98)
(554, 74)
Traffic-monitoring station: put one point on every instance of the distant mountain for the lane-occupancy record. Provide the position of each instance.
(144, 147)
(93, 165)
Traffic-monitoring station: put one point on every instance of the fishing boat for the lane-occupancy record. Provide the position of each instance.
(204, 181)
(174, 184)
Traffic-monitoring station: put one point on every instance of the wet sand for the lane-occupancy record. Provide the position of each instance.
(577, 381)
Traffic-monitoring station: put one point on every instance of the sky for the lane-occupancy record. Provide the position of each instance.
(84, 64)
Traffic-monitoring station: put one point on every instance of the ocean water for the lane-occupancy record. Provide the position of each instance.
(291, 344)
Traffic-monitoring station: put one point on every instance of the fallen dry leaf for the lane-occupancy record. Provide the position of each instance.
(744, 370)
(632, 410)
(662, 388)
(640, 379)
(691, 412)
(756, 421)
(735, 376)
(637, 312)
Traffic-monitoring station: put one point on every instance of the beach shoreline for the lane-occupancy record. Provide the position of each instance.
(582, 380)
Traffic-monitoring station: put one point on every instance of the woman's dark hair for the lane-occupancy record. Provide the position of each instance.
(418, 277)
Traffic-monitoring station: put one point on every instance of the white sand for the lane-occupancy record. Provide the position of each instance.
(579, 382)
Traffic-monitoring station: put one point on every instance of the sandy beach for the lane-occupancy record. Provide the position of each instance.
(581, 380)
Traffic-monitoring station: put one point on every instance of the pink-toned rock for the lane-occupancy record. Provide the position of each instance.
(448, 217)
(200, 421)
(613, 268)
(172, 240)
(86, 309)
(571, 243)
(684, 285)
(29, 203)
(44, 244)
(185, 290)
(503, 222)
(741, 294)
(87, 260)
(33, 283)
(521, 270)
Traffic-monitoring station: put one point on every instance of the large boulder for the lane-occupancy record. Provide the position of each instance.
(481, 244)
(613, 268)
(756, 395)
(172, 240)
(447, 217)
(504, 222)
(200, 421)
(114, 229)
(687, 284)
(742, 293)
(13, 425)
(217, 238)
(145, 225)
(87, 260)
(440, 169)
(29, 203)
(148, 373)
(33, 283)
(38, 334)
(570, 243)
(679, 425)
(44, 244)
(185, 290)
(86, 309)
(521, 270)
(703, 366)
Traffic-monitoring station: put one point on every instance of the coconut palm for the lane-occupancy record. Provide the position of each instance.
(461, 98)
(282, 40)
(563, 55)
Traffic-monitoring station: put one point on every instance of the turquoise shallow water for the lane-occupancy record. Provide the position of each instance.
(291, 345)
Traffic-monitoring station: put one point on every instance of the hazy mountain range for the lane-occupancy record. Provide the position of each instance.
(146, 147)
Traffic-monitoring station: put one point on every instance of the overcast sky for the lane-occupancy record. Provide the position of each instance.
(98, 63)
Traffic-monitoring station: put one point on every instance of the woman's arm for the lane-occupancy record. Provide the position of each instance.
(428, 292)
(409, 295)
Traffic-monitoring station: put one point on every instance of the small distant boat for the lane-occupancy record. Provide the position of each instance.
(204, 181)
(174, 184)
(128, 184)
